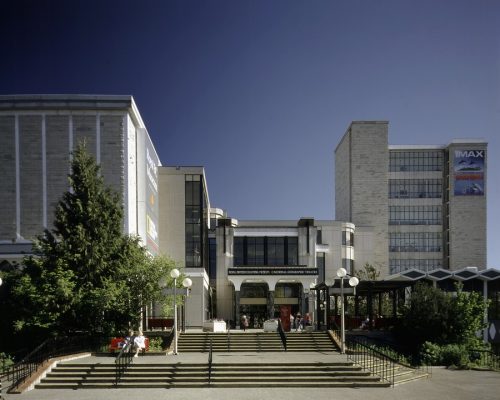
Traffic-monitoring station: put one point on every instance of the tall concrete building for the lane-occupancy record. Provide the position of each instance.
(426, 205)
(38, 134)
(184, 211)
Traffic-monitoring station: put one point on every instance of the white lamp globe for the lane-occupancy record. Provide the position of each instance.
(329, 282)
(174, 273)
(187, 283)
(354, 281)
(341, 272)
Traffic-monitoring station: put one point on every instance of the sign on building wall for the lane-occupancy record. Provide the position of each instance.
(468, 167)
(152, 163)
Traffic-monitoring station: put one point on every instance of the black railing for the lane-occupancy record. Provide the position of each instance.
(485, 359)
(372, 360)
(229, 339)
(210, 363)
(282, 334)
(51, 348)
(123, 360)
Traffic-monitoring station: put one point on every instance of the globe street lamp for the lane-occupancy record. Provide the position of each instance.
(175, 274)
(187, 283)
(353, 281)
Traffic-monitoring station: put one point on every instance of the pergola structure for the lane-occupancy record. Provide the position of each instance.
(399, 286)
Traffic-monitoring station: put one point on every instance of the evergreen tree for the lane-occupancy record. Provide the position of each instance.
(86, 275)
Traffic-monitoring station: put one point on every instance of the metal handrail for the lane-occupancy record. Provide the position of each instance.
(123, 360)
(485, 358)
(210, 363)
(371, 359)
(50, 348)
(282, 334)
(229, 339)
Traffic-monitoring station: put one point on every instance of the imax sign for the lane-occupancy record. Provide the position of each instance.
(469, 153)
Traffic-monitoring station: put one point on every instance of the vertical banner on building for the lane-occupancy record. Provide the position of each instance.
(152, 163)
(468, 167)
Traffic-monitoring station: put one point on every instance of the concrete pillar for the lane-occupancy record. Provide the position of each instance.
(237, 295)
(270, 304)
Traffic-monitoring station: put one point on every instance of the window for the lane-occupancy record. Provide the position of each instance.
(415, 188)
(193, 222)
(399, 265)
(319, 236)
(320, 264)
(415, 160)
(255, 251)
(292, 251)
(415, 215)
(415, 242)
(275, 251)
(265, 251)
(348, 264)
(347, 238)
(212, 258)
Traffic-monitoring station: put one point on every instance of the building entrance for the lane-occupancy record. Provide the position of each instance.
(256, 314)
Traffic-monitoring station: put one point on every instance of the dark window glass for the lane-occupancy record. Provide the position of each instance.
(400, 265)
(348, 264)
(319, 236)
(292, 251)
(320, 264)
(193, 221)
(415, 242)
(415, 188)
(415, 215)
(239, 255)
(255, 251)
(212, 258)
(275, 251)
(416, 160)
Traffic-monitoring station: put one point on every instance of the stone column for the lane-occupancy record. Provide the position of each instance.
(270, 304)
(237, 295)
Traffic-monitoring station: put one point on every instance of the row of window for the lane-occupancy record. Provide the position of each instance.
(193, 225)
(415, 215)
(397, 265)
(415, 161)
(266, 250)
(415, 188)
(415, 241)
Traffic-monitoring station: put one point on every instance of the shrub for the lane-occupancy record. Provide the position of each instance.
(455, 355)
(156, 344)
(430, 353)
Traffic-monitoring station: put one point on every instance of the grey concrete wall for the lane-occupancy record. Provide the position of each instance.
(84, 129)
(342, 179)
(30, 154)
(58, 167)
(467, 220)
(369, 166)
(7, 178)
(112, 150)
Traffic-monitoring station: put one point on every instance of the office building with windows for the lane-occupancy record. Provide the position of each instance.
(425, 204)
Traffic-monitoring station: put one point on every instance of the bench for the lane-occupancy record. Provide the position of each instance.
(117, 344)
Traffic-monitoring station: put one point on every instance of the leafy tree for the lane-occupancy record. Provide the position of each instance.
(368, 273)
(431, 315)
(86, 275)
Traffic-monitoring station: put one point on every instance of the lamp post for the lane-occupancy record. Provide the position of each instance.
(353, 281)
(187, 283)
(175, 274)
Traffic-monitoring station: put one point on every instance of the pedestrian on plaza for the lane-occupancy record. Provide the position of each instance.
(244, 322)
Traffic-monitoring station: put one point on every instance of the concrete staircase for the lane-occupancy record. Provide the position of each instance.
(255, 342)
(195, 375)
(233, 342)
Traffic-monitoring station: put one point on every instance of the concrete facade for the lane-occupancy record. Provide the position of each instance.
(403, 198)
(361, 173)
(37, 136)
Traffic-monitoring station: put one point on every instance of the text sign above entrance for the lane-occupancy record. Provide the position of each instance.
(272, 271)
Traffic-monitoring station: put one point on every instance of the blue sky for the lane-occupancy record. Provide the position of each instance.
(260, 92)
